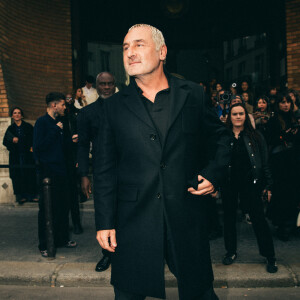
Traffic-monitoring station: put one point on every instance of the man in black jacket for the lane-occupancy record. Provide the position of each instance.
(50, 147)
(88, 122)
(150, 175)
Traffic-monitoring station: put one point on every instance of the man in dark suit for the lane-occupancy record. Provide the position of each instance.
(151, 152)
(88, 122)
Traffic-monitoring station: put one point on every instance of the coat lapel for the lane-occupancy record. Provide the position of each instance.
(134, 103)
(179, 92)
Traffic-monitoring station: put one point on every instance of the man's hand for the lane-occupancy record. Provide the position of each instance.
(269, 194)
(75, 138)
(107, 239)
(60, 125)
(204, 187)
(86, 186)
(15, 140)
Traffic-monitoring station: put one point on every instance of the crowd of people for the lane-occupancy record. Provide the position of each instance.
(275, 116)
(270, 124)
(261, 173)
(274, 120)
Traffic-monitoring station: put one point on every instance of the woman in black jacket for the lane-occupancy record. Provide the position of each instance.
(18, 140)
(249, 179)
(284, 140)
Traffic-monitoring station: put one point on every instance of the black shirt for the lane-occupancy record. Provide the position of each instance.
(241, 165)
(158, 110)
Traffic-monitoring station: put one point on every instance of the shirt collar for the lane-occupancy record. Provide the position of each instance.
(140, 91)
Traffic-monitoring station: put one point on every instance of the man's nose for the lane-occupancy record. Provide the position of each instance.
(130, 52)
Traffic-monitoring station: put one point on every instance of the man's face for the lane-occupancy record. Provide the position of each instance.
(88, 85)
(245, 86)
(59, 107)
(139, 52)
(105, 85)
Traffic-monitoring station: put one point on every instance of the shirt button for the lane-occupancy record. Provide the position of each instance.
(152, 137)
(163, 165)
(158, 196)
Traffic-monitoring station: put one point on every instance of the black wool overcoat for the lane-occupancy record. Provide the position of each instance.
(140, 182)
(23, 175)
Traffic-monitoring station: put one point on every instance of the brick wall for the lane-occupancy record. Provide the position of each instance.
(293, 43)
(35, 53)
(3, 96)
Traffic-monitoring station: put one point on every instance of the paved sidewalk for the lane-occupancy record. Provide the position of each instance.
(22, 264)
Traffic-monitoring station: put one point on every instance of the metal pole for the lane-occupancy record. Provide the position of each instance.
(48, 217)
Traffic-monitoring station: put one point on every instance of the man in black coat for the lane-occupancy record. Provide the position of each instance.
(50, 146)
(88, 122)
(150, 175)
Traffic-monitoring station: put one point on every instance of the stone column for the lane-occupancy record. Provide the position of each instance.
(6, 189)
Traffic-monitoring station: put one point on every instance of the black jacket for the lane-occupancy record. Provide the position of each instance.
(89, 121)
(14, 150)
(140, 183)
(258, 156)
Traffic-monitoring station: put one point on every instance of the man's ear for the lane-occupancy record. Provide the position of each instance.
(163, 52)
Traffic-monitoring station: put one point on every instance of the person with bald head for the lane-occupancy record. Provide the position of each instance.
(89, 121)
(152, 172)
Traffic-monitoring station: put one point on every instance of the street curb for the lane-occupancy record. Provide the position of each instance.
(84, 275)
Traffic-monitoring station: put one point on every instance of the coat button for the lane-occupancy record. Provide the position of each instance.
(254, 167)
(158, 196)
(252, 154)
(152, 137)
(163, 165)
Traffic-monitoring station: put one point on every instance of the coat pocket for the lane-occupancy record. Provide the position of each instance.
(190, 122)
(127, 193)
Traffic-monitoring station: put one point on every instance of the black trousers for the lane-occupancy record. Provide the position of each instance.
(60, 213)
(169, 257)
(251, 203)
(74, 197)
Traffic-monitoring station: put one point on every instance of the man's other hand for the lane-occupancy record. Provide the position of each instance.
(205, 187)
(60, 125)
(107, 239)
(86, 186)
(75, 138)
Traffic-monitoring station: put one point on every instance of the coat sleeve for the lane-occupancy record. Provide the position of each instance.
(220, 138)
(105, 175)
(267, 175)
(84, 139)
(8, 139)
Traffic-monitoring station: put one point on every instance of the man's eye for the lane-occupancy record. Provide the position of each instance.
(140, 45)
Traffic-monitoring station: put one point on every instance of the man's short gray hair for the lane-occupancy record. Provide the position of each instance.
(157, 35)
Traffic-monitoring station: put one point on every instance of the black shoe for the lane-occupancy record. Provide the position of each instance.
(70, 244)
(229, 258)
(103, 264)
(271, 265)
(77, 229)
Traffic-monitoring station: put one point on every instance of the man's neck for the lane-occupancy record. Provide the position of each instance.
(51, 113)
(152, 83)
